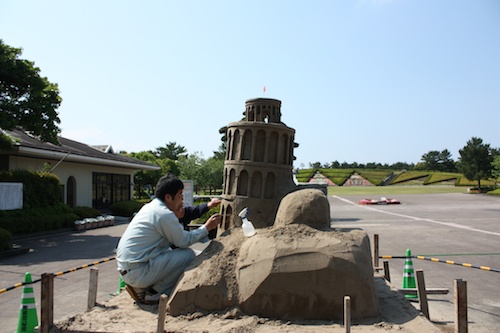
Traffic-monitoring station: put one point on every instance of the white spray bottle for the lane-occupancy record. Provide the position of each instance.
(247, 226)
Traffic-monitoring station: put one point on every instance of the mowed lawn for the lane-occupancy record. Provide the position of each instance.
(395, 189)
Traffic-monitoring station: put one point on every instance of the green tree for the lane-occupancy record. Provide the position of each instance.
(221, 153)
(335, 164)
(495, 172)
(431, 160)
(438, 161)
(315, 165)
(144, 179)
(206, 174)
(190, 166)
(213, 171)
(168, 166)
(476, 160)
(27, 99)
(171, 150)
(401, 166)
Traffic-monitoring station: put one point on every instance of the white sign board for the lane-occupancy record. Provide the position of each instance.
(11, 196)
(188, 192)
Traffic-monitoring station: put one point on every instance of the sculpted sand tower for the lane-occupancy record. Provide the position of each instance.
(296, 266)
(258, 165)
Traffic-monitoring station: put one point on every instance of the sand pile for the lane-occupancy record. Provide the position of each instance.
(121, 314)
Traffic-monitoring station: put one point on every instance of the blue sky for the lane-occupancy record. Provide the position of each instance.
(360, 81)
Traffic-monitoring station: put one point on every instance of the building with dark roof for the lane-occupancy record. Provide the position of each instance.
(89, 176)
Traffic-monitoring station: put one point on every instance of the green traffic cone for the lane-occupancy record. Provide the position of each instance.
(28, 319)
(121, 285)
(409, 275)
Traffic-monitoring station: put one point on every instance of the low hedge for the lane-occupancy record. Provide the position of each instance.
(24, 221)
(40, 189)
(125, 208)
(495, 192)
(84, 212)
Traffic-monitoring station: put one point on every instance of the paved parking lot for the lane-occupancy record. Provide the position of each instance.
(464, 228)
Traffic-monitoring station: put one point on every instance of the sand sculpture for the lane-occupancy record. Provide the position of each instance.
(299, 268)
(296, 266)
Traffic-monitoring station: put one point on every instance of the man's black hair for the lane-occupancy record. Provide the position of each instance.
(168, 184)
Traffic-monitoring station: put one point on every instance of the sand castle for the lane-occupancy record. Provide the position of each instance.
(296, 266)
(258, 165)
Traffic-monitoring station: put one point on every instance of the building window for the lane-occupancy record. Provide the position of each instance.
(108, 188)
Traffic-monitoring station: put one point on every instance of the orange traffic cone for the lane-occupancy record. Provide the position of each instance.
(409, 275)
(28, 319)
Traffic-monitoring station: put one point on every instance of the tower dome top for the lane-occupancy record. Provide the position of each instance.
(263, 110)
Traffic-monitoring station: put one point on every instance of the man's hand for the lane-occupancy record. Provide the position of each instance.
(213, 221)
(214, 203)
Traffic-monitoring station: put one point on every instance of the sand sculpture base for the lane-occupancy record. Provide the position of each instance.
(291, 270)
(303, 274)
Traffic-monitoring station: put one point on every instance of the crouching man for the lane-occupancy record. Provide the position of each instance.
(144, 256)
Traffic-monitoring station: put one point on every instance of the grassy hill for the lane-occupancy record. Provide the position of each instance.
(391, 177)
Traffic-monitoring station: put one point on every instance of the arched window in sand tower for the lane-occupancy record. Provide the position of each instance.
(273, 147)
(242, 188)
(256, 187)
(236, 144)
(222, 211)
(251, 113)
(225, 182)
(284, 151)
(230, 185)
(275, 115)
(229, 145)
(269, 190)
(260, 146)
(227, 217)
(246, 145)
(265, 116)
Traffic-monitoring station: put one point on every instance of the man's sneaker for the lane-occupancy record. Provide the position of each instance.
(150, 298)
(137, 294)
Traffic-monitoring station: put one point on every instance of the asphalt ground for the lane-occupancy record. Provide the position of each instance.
(58, 253)
(464, 228)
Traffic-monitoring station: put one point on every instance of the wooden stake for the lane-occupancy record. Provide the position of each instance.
(47, 303)
(162, 309)
(422, 294)
(92, 299)
(375, 250)
(460, 300)
(347, 314)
